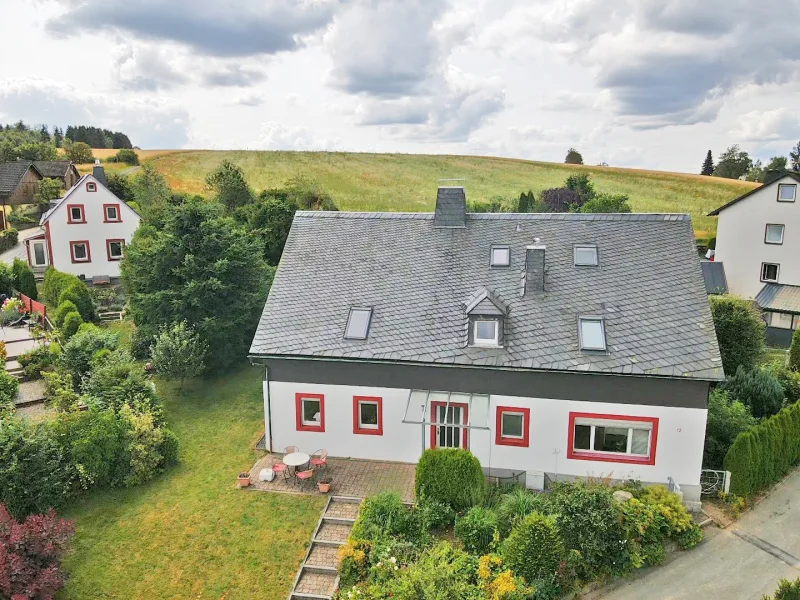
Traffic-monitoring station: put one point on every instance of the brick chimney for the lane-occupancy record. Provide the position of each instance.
(534, 268)
(451, 207)
(99, 172)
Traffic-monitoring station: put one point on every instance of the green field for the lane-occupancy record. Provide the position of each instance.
(190, 533)
(407, 182)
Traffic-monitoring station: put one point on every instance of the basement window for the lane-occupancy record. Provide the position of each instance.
(358, 324)
(585, 255)
(501, 256)
(592, 333)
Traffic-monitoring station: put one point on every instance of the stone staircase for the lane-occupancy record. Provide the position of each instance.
(318, 576)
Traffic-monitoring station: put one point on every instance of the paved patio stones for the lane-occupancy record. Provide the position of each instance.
(323, 556)
(317, 583)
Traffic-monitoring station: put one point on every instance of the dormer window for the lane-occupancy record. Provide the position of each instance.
(585, 255)
(501, 256)
(486, 332)
(591, 333)
(358, 324)
(76, 213)
(787, 192)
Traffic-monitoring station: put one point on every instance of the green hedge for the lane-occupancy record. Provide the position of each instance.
(762, 455)
(451, 476)
(59, 287)
(8, 239)
(24, 279)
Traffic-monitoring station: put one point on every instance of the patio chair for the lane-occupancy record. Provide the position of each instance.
(304, 476)
(320, 459)
(279, 467)
(291, 449)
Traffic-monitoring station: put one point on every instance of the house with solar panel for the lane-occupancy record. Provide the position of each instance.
(758, 241)
(549, 345)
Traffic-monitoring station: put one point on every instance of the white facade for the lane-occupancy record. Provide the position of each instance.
(675, 447)
(86, 232)
(742, 241)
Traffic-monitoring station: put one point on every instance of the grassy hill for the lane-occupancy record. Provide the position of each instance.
(407, 182)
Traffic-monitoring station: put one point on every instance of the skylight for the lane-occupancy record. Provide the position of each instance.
(501, 256)
(592, 333)
(585, 255)
(358, 324)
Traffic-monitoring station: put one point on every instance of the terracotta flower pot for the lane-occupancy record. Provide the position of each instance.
(244, 480)
(324, 488)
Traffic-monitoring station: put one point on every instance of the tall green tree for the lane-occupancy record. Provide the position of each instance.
(79, 152)
(708, 165)
(178, 353)
(740, 332)
(733, 163)
(24, 280)
(49, 189)
(794, 157)
(58, 136)
(229, 185)
(271, 219)
(573, 157)
(203, 268)
(582, 184)
(777, 163)
(727, 418)
(150, 190)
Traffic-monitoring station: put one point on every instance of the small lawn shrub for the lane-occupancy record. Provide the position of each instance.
(116, 380)
(143, 339)
(24, 279)
(144, 442)
(451, 476)
(787, 590)
(62, 311)
(727, 418)
(499, 583)
(385, 515)
(645, 528)
(757, 388)
(77, 293)
(477, 530)
(535, 549)
(41, 358)
(435, 514)
(9, 385)
(30, 555)
(76, 355)
(72, 322)
(516, 505)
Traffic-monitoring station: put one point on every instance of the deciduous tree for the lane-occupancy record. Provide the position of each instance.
(78, 152)
(229, 185)
(794, 157)
(179, 352)
(573, 157)
(733, 163)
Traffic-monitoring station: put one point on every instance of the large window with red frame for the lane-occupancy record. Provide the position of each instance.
(612, 438)
(513, 426)
(367, 415)
(310, 412)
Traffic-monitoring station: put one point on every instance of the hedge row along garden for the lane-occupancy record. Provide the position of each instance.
(510, 543)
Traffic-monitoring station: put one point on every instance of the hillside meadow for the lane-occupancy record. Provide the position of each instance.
(408, 182)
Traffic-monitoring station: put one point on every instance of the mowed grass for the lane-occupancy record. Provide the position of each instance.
(408, 182)
(191, 533)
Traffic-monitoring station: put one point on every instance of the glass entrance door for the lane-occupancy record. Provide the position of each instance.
(39, 256)
(451, 431)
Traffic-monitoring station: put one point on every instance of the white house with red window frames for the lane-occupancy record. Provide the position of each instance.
(548, 345)
(85, 232)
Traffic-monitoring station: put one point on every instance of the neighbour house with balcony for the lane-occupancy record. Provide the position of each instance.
(758, 241)
(547, 344)
(85, 232)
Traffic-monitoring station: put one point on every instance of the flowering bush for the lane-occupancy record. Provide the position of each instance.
(30, 555)
(14, 304)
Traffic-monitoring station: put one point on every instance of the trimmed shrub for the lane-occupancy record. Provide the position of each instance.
(794, 351)
(759, 389)
(534, 550)
(72, 322)
(477, 530)
(55, 282)
(31, 554)
(452, 476)
(727, 418)
(77, 293)
(645, 529)
(115, 381)
(740, 331)
(516, 505)
(24, 280)
(787, 590)
(62, 311)
(6, 280)
(763, 454)
(385, 515)
(435, 514)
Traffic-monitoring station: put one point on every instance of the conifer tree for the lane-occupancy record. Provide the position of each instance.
(708, 165)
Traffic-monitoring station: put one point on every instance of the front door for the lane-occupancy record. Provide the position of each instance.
(38, 253)
(451, 431)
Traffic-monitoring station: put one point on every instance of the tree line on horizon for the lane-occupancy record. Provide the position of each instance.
(735, 163)
(22, 141)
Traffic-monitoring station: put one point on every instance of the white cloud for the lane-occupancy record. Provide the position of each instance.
(275, 136)
(767, 126)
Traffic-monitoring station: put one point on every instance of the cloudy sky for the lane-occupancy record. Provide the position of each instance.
(639, 83)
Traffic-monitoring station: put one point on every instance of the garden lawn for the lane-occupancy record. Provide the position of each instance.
(408, 182)
(190, 533)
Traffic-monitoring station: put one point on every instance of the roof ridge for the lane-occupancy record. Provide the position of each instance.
(319, 214)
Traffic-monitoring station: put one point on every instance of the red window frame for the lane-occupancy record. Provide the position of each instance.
(69, 214)
(356, 413)
(610, 456)
(72, 245)
(523, 442)
(108, 248)
(465, 407)
(93, 187)
(105, 213)
(298, 412)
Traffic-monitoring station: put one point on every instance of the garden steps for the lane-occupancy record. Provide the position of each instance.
(318, 576)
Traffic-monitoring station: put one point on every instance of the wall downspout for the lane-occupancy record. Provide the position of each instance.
(267, 411)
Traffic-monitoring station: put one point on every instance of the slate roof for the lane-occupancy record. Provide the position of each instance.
(11, 173)
(714, 277)
(774, 178)
(53, 168)
(779, 298)
(419, 279)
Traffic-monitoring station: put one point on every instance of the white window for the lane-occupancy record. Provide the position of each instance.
(773, 234)
(312, 409)
(369, 415)
(112, 212)
(80, 251)
(115, 249)
(585, 255)
(501, 256)
(787, 192)
(769, 272)
(592, 333)
(91, 186)
(358, 324)
(485, 332)
(512, 425)
(613, 437)
(76, 214)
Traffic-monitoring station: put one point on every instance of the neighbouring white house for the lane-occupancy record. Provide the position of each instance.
(547, 344)
(85, 232)
(758, 242)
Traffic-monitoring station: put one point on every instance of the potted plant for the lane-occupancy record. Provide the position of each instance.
(324, 485)
(244, 479)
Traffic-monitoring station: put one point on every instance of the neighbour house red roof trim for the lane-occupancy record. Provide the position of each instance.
(357, 400)
(74, 243)
(608, 456)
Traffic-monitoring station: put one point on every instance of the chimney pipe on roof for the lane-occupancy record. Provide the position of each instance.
(451, 207)
(534, 268)
(99, 172)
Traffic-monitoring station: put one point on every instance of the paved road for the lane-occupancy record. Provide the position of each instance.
(19, 251)
(743, 562)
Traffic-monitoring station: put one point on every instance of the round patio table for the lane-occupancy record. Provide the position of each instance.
(296, 459)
